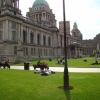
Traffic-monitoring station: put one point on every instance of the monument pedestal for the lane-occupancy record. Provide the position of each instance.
(20, 57)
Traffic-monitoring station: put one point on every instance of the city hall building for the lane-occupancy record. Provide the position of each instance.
(36, 34)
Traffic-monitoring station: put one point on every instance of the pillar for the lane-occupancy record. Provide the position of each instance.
(51, 40)
(27, 30)
(35, 36)
(15, 3)
(21, 32)
(46, 40)
(41, 38)
(3, 30)
(10, 32)
(6, 30)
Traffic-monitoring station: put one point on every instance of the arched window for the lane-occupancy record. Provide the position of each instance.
(24, 36)
(49, 41)
(31, 37)
(14, 36)
(38, 39)
(44, 40)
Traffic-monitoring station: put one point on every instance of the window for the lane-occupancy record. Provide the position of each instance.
(49, 41)
(44, 40)
(24, 36)
(38, 39)
(13, 35)
(13, 25)
(31, 37)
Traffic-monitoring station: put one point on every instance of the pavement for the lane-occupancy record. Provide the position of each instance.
(61, 69)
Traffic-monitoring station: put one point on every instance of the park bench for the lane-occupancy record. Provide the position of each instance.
(41, 66)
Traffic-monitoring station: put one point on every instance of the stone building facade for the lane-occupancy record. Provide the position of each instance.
(91, 45)
(37, 32)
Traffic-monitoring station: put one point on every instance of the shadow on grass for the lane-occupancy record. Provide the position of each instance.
(67, 92)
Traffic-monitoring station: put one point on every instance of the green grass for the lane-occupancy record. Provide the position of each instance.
(71, 62)
(25, 85)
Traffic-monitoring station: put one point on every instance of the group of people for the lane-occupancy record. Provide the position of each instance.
(5, 64)
(61, 61)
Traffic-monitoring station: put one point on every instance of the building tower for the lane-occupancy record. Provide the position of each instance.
(41, 13)
(10, 6)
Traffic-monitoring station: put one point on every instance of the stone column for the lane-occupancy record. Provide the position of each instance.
(29, 35)
(0, 3)
(12, 3)
(35, 36)
(59, 40)
(51, 39)
(46, 40)
(27, 30)
(6, 30)
(75, 51)
(21, 32)
(9, 33)
(3, 30)
(15, 3)
(38, 17)
(41, 38)
(62, 41)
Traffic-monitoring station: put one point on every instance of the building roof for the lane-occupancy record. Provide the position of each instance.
(40, 2)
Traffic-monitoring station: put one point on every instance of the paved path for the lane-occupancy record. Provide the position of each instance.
(61, 69)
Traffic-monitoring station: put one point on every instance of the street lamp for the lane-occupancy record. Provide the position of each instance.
(66, 76)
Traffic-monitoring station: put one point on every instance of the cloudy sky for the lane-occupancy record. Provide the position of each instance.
(86, 13)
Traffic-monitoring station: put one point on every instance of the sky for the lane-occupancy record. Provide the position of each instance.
(86, 13)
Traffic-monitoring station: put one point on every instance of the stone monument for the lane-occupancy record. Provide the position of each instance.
(20, 52)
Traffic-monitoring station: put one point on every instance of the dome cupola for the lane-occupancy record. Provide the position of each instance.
(40, 2)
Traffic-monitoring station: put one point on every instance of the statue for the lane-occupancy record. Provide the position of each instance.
(20, 52)
(19, 43)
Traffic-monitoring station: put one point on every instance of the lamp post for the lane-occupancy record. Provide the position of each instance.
(66, 76)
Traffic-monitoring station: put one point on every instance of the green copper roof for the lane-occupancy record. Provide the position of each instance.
(81, 35)
(40, 2)
(75, 24)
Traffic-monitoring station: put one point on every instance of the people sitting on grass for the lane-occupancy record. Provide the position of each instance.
(38, 63)
(50, 59)
(60, 61)
(6, 64)
(85, 60)
(96, 61)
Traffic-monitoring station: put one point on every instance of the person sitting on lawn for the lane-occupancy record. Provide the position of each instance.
(43, 63)
(38, 63)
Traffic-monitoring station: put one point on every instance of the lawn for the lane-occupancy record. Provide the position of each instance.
(71, 62)
(25, 85)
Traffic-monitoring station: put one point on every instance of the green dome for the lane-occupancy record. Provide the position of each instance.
(81, 35)
(40, 2)
(75, 24)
